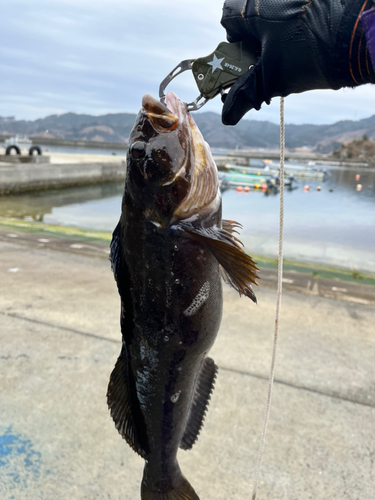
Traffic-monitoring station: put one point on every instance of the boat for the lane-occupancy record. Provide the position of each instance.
(22, 141)
(297, 171)
(254, 181)
(19, 142)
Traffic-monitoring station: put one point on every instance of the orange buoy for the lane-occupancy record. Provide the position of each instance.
(306, 188)
(239, 189)
(264, 187)
(357, 177)
(247, 189)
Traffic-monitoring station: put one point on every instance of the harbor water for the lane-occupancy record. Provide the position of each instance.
(332, 226)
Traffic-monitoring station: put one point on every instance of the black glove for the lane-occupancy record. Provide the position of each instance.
(302, 45)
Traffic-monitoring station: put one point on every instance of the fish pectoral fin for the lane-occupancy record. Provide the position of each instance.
(115, 249)
(231, 227)
(118, 264)
(204, 387)
(124, 407)
(238, 268)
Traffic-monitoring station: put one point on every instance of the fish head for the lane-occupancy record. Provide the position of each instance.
(171, 174)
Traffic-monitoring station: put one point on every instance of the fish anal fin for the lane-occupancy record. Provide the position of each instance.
(122, 407)
(203, 389)
(239, 269)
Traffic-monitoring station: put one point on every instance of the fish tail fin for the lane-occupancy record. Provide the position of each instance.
(177, 487)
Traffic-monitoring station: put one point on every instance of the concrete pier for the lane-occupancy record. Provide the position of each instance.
(64, 170)
(34, 159)
(59, 314)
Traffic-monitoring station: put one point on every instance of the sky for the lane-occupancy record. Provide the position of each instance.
(101, 56)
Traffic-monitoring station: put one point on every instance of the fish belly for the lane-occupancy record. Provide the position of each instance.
(177, 305)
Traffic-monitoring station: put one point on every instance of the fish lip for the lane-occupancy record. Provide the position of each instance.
(164, 117)
(177, 107)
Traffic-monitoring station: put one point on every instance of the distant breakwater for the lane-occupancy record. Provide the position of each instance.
(43, 141)
(20, 178)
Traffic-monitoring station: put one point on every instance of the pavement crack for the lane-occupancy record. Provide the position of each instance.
(59, 327)
(298, 387)
(232, 370)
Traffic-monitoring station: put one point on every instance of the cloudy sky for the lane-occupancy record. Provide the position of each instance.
(101, 56)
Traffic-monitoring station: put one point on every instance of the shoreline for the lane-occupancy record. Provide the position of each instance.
(266, 261)
(64, 170)
(301, 277)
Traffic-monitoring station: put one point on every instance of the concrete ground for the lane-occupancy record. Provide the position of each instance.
(64, 158)
(60, 338)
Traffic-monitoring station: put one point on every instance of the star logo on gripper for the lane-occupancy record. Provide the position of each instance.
(216, 63)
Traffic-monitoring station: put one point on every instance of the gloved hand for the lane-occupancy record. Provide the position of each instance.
(302, 45)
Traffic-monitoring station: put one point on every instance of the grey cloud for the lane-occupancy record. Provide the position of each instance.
(90, 56)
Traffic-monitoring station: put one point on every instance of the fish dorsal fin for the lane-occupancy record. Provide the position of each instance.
(203, 389)
(123, 407)
(238, 268)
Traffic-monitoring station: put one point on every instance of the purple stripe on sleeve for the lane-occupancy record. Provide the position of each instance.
(368, 23)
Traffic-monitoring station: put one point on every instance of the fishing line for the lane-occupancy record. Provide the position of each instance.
(278, 301)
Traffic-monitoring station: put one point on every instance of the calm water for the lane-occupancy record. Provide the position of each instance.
(336, 228)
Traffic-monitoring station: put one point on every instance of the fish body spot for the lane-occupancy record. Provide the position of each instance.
(175, 397)
(199, 300)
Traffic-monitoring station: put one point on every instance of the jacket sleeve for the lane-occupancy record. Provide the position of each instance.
(368, 23)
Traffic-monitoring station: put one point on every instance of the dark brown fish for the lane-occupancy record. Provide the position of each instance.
(169, 252)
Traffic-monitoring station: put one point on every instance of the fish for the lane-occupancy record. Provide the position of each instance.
(169, 253)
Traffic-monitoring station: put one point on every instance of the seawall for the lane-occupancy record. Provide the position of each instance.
(20, 178)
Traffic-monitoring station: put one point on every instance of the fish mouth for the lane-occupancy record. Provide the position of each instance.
(163, 118)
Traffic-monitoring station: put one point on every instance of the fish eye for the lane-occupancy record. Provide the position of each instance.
(138, 149)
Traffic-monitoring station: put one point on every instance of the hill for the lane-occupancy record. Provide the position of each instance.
(362, 149)
(71, 126)
(247, 134)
